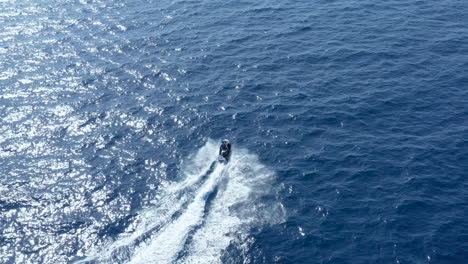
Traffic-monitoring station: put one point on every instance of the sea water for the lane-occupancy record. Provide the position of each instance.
(348, 121)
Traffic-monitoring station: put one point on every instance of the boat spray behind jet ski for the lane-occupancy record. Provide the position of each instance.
(224, 151)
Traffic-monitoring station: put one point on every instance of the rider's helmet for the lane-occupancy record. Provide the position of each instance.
(225, 141)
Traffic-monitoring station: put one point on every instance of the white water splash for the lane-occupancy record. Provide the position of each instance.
(195, 220)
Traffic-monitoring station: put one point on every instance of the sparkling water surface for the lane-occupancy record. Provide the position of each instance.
(348, 119)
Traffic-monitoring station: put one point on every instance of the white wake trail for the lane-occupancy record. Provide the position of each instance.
(197, 219)
(170, 201)
(236, 209)
(166, 244)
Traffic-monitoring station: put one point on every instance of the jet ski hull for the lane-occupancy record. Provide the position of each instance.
(222, 159)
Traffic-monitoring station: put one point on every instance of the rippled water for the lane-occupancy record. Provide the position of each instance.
(348, 121)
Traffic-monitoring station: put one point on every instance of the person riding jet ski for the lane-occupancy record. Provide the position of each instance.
(225, 150)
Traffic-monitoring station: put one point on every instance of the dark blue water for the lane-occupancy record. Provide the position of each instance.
(348, 119)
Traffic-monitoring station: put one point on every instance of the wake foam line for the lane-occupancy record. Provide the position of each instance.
(196, 220)
(237, 208)
(166, 244)
(170, 200)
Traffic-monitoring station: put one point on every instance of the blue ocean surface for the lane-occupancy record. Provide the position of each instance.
(348, 122)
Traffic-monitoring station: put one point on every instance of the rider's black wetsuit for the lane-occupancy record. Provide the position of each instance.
(225, 151)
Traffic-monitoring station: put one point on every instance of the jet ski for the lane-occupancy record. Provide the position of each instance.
(224, 151)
